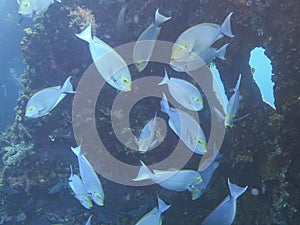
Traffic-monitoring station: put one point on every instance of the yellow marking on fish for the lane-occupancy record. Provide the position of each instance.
(100, 198)
(198, 100)
(25, 4)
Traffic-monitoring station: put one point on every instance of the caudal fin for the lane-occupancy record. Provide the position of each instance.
(76, 150)
(220, 53)
(144, 173)
(159, 18)
(86, 34)
(235, 190)
(165, 79)
(237, 86)
(164, 105)
(67, 87)
(226, 27)
(162, 206)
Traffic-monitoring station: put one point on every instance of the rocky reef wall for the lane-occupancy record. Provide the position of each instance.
(259, 151)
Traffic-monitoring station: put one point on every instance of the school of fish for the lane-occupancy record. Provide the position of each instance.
(191, 50)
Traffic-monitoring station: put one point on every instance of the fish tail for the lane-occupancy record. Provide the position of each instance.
(235, 190)
(226, 27)
(76, 150)
(86, 34)
(144, 173)
(162, 206)
(221, 52)
(159, 18)
(67, 87)
(164, 105)
(165, 79)
(237, 86)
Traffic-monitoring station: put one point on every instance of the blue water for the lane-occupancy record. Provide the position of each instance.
(11, 60)
(262, 74)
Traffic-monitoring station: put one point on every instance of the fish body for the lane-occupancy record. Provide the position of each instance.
(154, 216)
(34, 8)
(143, 50)
(184, 92)
(42, 102)
(174, 180)
(185, 127)
(89, 178)
(147, 136)
(108, 62)
(233, 105)
(198, 38)
(79, 190)
(225, 212)
(206, 175)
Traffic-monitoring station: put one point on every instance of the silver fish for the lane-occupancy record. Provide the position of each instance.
(225, 212)
(89, 178)
(34, 8)
(154, 216)
(42, 102)
(79, 190)
(143, 50)
(108, 62)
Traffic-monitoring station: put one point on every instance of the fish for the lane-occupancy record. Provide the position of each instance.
(34, 8)
(184, 92)
(230, 107)
(206, 57)
(147, 137)
(89, 221)
(185, 127)
(196, 39)
(172, 179)
(57, 188)
(143, 50)
(45, 100)
(121, 31)
(225, 212)
(154, 216)
(80, 191)
(89, 178)
(108, 62)
(206, 175)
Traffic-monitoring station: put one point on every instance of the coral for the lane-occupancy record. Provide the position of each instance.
(16, 153)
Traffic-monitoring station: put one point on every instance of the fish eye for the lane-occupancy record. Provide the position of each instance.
(125, 80)
(30, 108)
(139, 62)
(198, 100)
(201, 142)
(26, 4)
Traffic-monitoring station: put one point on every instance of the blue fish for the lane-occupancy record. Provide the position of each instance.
(225, 212)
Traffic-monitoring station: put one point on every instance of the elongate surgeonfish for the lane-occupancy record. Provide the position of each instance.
(34, 8)
(225, 212)
(154, 216)
(185, 127)
(147, 137)
(174, 180)
(184, 92)
(206, 57)
(195, 40)
(206, 175)
(108, 62)
(42, 102)
(80, 191)
(89, 177)
(231, 107)
(143, 50)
